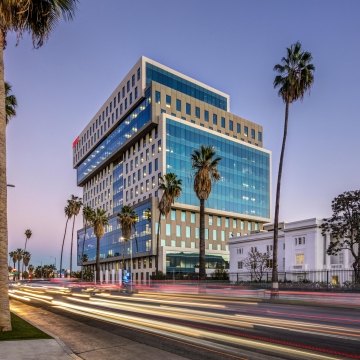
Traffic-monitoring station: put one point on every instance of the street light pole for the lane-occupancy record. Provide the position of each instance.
(10, 185)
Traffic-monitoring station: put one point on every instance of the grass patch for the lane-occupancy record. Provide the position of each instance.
(22, 330)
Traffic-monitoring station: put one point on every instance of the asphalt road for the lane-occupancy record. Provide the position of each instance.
(201, 326)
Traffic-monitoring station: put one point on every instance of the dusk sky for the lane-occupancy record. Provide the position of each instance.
(230, 45)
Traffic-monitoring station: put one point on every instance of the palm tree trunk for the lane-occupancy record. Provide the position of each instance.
(202, 271)
(62, 247)
(82, 253)
(19, 269)
(97, 260)
(275, 281)
(157, 247)
(5, 324)
(71, 247)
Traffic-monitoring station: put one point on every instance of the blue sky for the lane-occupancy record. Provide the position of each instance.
(230, 45)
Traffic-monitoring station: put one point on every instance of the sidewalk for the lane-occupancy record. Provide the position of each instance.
(74, 340)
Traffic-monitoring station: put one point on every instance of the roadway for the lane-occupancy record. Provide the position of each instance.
(208, 326)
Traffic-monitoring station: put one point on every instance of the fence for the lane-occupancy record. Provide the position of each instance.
(319, 278)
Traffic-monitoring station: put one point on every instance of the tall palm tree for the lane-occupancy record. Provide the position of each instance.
(75, 204)
(127, 219)
(295, 77)
(99, 221)
(10, 103)
(88, 213)
(170, 186)
(37, 18)
(26, 258)
(68, 214)
(205, 164)
(13, 256)
(31, 270)
(19, 255)
(28, 234)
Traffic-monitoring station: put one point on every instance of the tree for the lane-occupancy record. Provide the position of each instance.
(295, 77)
(37, 18)
(75, 205)
(13, 256)
(127, 219)
(19, 255)
(68, 214)
(344, 227)
(88, 213)
(205, 164)
(26, 258)
(99, 221)
(28, 234)
(170, 186)
(257, 263)
(10, 103)
(31, 270)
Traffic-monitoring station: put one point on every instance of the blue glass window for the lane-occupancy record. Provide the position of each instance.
(197, 112)
(231, 125)
(138, 73)
(238, 128)
(246, 131)
(245, 171)
(188, 109)
(260, 136)
(113, 143)
(168, 100)
(157, 97)
(214, 119)
(206, 115)
(178, 105)
(154, 73)
(253, 134)
(223, 122)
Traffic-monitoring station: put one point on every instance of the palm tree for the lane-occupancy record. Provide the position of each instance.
(31, 270)
(19, 255)
(170, 185)
(28, 234)
(205, 163)
(99, 221)
(75, 205)
(88, 213)
(37, 18)
(127, 219)
(13, 256)
(10, 103)
(68, 214)
(295, 77)
(26, 258)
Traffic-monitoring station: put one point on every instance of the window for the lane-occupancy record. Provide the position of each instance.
(222, 235)
(130, 100)
(123, 91)
(196, 233)
(240, 250)
(178, 105)
(188, 232)
(133, 80)
(219, 221)
(214, 119)
(249, 226)
(269, 248)
(253, 134)
(299, 259)
(210, 219)
(246, 131)
(269, 263)
(173, 215)
(231, 125)
(138, 73)
(227, 222)
(206, 234)
(150, 168)
(157, 97)
(156, 164)
(168, 229)
(240, 265)
(206, 116)
(183, 216)
(178, 230)
(223, 122)
(197, 112)
(125, 104)
(234, 223)
(128, 86)
(173, 243)
(188, 109)
(260, 136)
(214, 235)
(192, 218)
(168, 100)
(136, 93)
(238, 128)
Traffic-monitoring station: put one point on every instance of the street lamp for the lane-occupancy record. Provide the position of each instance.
(10, 185)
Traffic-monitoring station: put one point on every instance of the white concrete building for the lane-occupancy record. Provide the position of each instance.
(301, 253)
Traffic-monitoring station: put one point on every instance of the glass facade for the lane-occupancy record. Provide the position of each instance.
(154, 73)
(112, 245)
(110, 145)
(244, 186)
